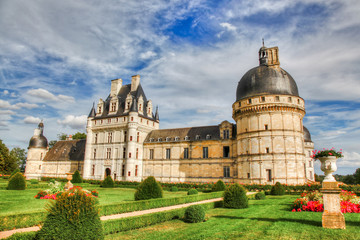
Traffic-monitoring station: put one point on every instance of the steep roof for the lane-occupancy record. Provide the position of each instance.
(69, 150)
(192, 132)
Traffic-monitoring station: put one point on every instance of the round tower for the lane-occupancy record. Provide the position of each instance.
(38, 147)
(268, 112)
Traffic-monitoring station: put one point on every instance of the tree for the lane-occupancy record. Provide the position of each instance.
(357, 176)
(52, 143)
(79, 135)
(7, 161)
(62, 136)
(19, 154)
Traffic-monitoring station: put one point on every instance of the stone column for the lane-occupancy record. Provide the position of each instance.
(332, 216)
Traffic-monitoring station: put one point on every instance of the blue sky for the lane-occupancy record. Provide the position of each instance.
(58, 57)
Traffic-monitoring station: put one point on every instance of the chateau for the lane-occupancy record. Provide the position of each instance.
(268, 142)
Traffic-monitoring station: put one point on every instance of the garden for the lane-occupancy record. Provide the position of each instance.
(278, 212)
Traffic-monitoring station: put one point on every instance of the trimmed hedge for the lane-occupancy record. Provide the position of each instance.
(218, 186)
(76, 177)
(125, 224)
(194, 214)
(174, 189)
(235, 197)
(192, 191)
(277, 189)
(260, 196)
(21, 220)
(108, 182)
(148, 189)
(17, 182)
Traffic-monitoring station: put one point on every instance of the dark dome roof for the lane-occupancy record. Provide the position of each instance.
(38, 142)
(265, 80)
(307, 135)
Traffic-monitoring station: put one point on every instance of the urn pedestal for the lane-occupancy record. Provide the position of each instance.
(332, 216)
(68, 185)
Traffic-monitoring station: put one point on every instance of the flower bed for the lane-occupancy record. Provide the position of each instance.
(56, 189)
(313, 202)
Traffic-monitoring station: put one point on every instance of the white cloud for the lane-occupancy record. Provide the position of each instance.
(5, 104)
(42, 94)
(147, 55)
(228, 26)
(31, 120)
(74, 122)
(27, 105)
(6, 92)
(66, 98)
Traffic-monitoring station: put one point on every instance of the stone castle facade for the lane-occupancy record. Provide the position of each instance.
(268, 142)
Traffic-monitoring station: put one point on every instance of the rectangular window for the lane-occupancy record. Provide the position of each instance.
(266, 127)
(93, 170)
(268, 175)
(226, 171)
(124, 152)
(113, 106)
(130, 138)
(263, 99)
(123, 170)
(186, 153)
(138, 137)
(94, 153)
(249, 101)
(226, 134)
(108, 153)
(125, 136)
(151, 153)
(205, 152)
(110, 137)
(267, 150)
(168, 153)
(136, 170)
(248, 175)
(137, 153)
(226, 151)
(277, 98)
(289, 99)
(95, 138)
(109, 120)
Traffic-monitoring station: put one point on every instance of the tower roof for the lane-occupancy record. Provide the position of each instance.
(266, 79)
(38, 140)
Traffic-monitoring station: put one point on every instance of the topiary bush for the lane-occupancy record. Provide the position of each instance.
(149, 188)
(76, 177)
(34, 181)
(14, 172)
(218, 186)
(17, 182)
(194, 214)
(277, 189)
(260, 196)
(235, 197)
(108, 182)
(73, 215)
(192, 191)
(174, 189)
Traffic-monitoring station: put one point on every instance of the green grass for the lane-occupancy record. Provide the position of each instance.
(264, 219)
(16, 201)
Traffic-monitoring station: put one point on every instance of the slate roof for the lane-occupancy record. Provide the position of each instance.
(191, 132)
(124, 91)
(69, 150)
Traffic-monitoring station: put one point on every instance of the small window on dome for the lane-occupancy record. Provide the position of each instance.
(249, 101)
(277, 98)
(289, 99)
(263, 99)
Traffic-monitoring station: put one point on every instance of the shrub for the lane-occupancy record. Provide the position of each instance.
(260, 196)
(235, 197)
(76, 177)
(34, 181)
(174, 189)
(194, 214)
(14, 172)
(277, 189)
(192, 191)
(73, 215)
(218, 186)
(107, 183)
(17, 182)
(148, 189)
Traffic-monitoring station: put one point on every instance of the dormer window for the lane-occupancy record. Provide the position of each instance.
(168, 139)
(177, 138)
(159, 139)
(187, 138)
(113, 107)
(208, 136)
(197, 137)
(140, 107)
(99, 110)
(127, 105)
(152, 139)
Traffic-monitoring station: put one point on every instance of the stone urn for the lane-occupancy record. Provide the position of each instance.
(68, 185)
(328, 166)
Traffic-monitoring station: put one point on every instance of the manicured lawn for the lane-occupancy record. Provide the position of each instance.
(264, 219)
(14, 201)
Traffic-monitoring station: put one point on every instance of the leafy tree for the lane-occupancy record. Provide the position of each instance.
(357, 176)
(349, 179)
(62, 136)
(76, 178)
(79, 135)
(7, 161)
(19, 154)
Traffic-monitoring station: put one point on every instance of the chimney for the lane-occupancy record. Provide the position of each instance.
(116, 85)
(135, 81)
(70, 137)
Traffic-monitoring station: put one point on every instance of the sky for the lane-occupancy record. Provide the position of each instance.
(58, 57)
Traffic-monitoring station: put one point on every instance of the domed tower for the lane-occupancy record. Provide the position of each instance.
(309, 148)
(38, 147)
(268, 113)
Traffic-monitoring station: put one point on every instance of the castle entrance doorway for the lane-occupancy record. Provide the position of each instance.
(107, 172)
